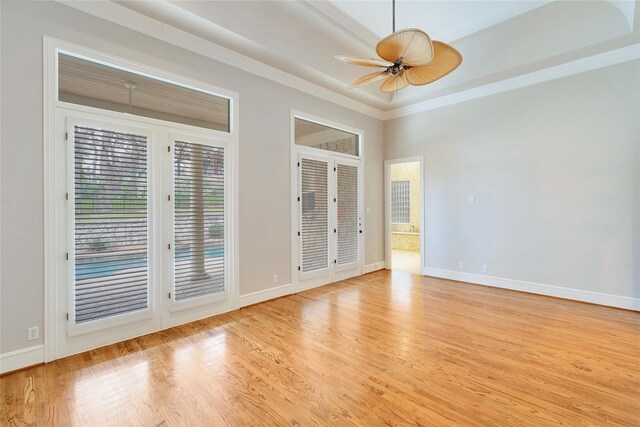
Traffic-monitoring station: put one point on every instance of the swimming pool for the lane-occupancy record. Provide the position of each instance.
(102, 266)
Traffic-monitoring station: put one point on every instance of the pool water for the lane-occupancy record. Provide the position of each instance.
(97, 267)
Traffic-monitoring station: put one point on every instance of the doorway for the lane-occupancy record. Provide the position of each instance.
(327, 223)
(404, 215)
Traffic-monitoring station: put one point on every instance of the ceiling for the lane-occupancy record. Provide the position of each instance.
(499, 40)
(447, 21)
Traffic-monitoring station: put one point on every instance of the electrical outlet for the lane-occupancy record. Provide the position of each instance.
(375, 257)
(275, 278)
(461, 265)
(472, 199)
(33, 333)
(485, 268)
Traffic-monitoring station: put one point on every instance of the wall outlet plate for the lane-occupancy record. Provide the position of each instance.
(33, 333)
(461, 265)
(275, 278)
(485, 268)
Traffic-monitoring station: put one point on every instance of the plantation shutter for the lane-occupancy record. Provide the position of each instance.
(347, 213)
(314, 215)
(199, 184)
(110, 223)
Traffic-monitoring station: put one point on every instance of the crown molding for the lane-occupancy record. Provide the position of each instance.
(136, 21)
(594, 62)
(344, 22)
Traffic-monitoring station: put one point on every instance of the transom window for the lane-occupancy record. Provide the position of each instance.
(315, 135)
(92, 84)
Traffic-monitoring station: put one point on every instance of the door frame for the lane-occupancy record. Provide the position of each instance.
(54, 170)
(294, 152)
(387, 209)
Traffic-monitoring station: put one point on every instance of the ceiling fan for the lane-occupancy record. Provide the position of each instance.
(409, 57)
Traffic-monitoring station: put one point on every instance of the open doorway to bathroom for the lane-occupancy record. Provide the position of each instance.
(404, 214)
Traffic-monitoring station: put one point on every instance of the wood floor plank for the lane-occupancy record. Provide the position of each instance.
(381, 349)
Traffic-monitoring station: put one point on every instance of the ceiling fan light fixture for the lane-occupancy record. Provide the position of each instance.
(369, 78)
(411, 47)
(409, 57)
(363, 62)
(394, 82)
(445, 60)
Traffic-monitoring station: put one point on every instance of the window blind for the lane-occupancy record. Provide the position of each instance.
(110, 223)
(347, 214)
(315, 215)
(400, 202)
(199, 220)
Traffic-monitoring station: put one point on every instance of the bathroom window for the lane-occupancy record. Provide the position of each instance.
(400, 202)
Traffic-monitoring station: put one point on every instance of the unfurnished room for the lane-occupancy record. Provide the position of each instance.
(319, 213)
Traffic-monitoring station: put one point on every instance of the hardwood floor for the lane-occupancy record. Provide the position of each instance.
(381, 349)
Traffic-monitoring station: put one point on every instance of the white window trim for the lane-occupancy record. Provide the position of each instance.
(294, 152)
(51, 148)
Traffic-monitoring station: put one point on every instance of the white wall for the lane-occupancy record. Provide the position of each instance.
(264, 154)
(555, 172)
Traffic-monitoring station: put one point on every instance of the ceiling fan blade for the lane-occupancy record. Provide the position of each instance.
(394, 83)
(412, 45)
(369, 78)
(364, 62)
(445, 60)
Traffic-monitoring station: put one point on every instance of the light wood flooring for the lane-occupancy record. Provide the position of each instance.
(381, 349)
(408, 261)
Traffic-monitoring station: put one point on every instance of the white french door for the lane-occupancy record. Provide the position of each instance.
(197, 260)
(347, 219)
(329, 219)
(146, 221)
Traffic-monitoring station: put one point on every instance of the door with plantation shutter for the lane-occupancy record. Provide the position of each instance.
(199, 255)
(329, 221)
(347, 220)
(148, 227)
(109, 224)
(313, 218)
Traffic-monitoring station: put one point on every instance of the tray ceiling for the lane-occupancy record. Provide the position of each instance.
(499, 40)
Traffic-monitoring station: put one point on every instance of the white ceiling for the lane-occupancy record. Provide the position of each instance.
(499, 40)
(447, 21)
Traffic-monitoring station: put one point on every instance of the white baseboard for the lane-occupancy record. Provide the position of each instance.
(267, 294)
(21, 358)
(370, 268)
(610, 300)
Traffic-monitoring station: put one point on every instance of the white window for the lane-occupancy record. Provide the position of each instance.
(93, 84)
(316, 135)
(400, 202)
